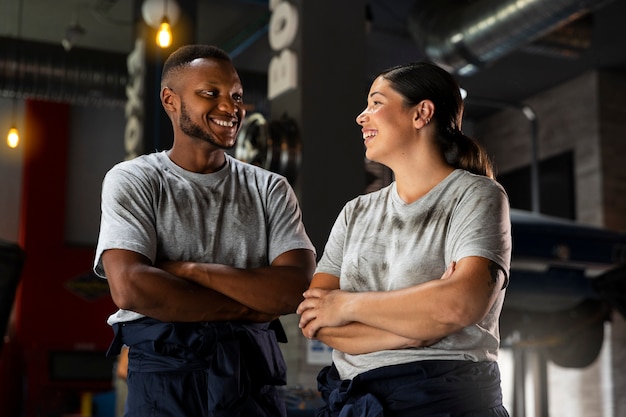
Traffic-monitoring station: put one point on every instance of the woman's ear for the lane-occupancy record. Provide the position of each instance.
(424, 112)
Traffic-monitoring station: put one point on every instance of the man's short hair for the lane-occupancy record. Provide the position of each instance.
(184, 55)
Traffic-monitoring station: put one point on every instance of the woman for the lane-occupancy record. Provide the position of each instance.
(410, 286)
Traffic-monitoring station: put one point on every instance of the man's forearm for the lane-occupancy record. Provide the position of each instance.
(200, 304)
(275, 290)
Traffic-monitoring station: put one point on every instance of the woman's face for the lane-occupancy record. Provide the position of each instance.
(387, 124)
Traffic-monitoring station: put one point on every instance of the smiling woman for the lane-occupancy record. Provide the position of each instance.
(438, 245)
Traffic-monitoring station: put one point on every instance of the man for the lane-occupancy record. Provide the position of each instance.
(202, 253)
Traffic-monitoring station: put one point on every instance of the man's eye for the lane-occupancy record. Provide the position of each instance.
(208, 93)
(237, 97)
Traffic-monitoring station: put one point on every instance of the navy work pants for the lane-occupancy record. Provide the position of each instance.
(426, 389)
(201, 369)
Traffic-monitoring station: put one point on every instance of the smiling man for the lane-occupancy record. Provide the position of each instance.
(203, 253)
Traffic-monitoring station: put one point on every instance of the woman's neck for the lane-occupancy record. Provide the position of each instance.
(415, 182)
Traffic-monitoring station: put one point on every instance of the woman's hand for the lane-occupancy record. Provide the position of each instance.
(322, 308)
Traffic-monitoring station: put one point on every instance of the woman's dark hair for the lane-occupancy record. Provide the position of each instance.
(426, 81)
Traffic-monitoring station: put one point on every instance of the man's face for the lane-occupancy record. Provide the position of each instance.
(211, 102)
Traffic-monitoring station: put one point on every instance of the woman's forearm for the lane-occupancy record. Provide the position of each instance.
(357, 338)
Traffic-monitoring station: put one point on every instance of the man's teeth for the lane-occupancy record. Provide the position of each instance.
(224, 123)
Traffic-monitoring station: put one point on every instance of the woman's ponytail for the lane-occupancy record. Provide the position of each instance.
(466, 153)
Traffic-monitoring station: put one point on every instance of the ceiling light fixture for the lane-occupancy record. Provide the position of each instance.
(13, 137)
(164, 35)
(161, 15)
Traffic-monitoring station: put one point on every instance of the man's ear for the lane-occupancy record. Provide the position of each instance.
(168, 99)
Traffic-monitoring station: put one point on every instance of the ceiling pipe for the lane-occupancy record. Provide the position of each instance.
(464, 38)
(45, 71)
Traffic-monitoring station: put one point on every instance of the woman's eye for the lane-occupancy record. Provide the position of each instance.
(237, 97)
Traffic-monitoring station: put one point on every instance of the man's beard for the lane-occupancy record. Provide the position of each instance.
(195, 131)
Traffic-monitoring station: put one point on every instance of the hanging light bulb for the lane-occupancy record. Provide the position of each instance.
(164, 35)
(13, 138)
(161, 15)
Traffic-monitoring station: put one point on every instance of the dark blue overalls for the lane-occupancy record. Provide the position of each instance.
(436, 388)
(203, 369)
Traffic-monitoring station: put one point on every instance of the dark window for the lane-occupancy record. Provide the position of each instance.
(556, 186)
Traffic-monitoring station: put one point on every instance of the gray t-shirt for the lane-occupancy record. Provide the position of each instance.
(242, 215)
(380, 243)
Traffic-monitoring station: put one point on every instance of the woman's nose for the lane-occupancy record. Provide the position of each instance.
(361, 117)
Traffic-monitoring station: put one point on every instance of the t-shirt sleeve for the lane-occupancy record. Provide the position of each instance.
(481, 226)
(286, 231)
(127, 216)
(332, 258)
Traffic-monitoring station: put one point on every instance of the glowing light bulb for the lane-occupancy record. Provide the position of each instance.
(164, 35)
(13, 138)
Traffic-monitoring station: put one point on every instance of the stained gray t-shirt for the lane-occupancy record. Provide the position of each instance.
(242, 215)
(380, 243)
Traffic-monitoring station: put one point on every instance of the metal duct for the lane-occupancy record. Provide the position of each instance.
(465, 37)
(46, 72)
